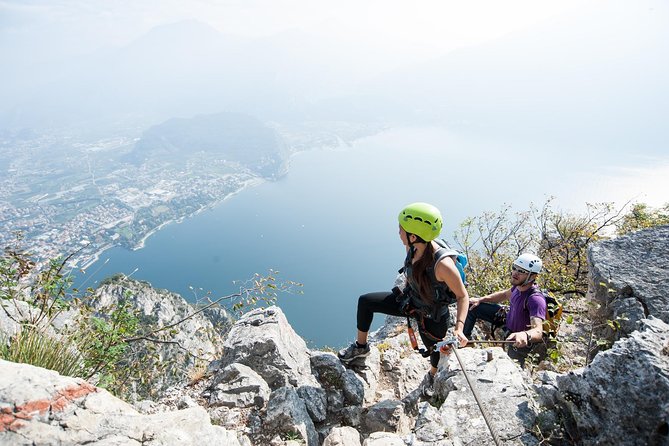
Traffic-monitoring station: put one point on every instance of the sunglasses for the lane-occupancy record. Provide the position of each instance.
(519, 270)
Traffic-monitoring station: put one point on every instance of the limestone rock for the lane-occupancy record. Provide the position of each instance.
(238, 386)
(386, 416)
(327, 368)
(629, 275)
(195, 336)
(353, 388)
(263, 340)
(622, 397)
(15, 312)
(161, 308)
(403, 368)
(41, 407)
(11, 315)
(504, 391)
(368, 371)
(287, 414)
(384, 439)
(342, 436)
(316, 400)
(429, 427)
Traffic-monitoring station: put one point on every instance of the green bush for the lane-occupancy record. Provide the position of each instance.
(35, 347)
(561, 239)
(493, 240)
(642, 216)
(116, 347)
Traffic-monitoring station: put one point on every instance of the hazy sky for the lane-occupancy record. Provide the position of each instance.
(366, 38)
(59, 27)
(591, 75)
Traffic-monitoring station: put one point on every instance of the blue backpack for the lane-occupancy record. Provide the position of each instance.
(460, 259)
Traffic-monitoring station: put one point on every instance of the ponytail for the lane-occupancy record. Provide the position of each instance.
(421, 277)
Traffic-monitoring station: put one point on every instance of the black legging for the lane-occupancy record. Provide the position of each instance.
(386, 303)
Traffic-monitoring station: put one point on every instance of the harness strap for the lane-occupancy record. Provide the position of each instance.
(421, 329)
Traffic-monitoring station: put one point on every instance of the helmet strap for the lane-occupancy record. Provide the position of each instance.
(412, 245)
(527, 280)
(412, 251)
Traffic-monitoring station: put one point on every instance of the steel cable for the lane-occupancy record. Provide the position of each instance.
(477, 397)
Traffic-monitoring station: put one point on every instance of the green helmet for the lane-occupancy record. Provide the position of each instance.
(421, 219)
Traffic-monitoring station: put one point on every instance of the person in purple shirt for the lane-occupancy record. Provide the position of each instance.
(526, 312)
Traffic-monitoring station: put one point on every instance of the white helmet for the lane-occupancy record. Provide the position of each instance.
(529, 262)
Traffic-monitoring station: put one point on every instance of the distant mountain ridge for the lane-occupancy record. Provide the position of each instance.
(589, 81)
(233, 137)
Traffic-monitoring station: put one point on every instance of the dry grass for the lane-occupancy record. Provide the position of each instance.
(197, 373)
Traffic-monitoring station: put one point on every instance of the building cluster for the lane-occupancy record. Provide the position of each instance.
(63, 205)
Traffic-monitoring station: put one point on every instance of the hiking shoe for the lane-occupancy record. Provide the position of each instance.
(427, 386)
(353, 352)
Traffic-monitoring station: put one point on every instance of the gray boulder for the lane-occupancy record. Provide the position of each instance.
(622, 397)
(12, 313)
(429, 428)
(263, 340)
(342, 436)
(402, 367)
(504, 391)
(353, 388)
(628, 275)
(386, 416)
(384, 439)
(41, 407)
(327, 368)
(316, 401)
(335, 401)
(238, 386)
(287, 414)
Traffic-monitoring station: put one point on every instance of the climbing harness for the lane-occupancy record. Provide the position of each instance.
(414, 342)
(452, 344)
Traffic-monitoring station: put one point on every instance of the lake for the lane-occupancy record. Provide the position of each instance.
(331, 222)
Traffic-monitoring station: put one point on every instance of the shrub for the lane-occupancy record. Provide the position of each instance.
(35, 347)
(113, 346)
(642, 216)
(493, 240)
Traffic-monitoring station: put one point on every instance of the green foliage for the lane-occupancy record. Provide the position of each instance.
(36, 347)
(43, 290)
(113, 279)
(293, 436)
(642, 216)
(493, 240)
(564, 242)
(102, 337)
(262, 291)
(116, 346)
(92, 345)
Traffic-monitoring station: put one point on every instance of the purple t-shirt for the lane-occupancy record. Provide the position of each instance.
(520, 313)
